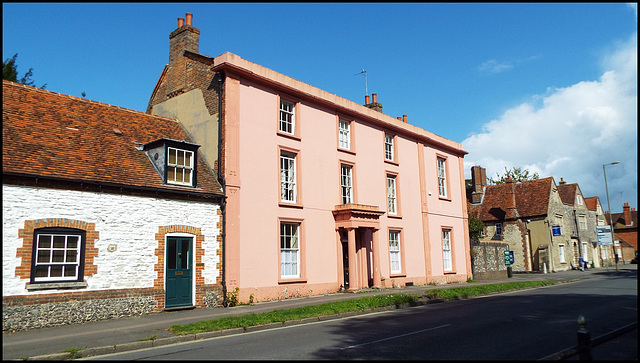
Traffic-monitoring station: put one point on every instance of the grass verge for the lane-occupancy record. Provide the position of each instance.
(356, 304)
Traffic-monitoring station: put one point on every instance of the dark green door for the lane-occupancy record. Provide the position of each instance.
(178, 289)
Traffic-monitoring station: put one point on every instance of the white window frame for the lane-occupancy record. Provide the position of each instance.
(442, 176)
(288, 188)
(388, 147)
(392, 202)
(395, 258)
(344, 134)
(561, 253)
(59, 255)
(289, 250)
(579, 199)
(582, 222)
(583, 250)
(287, 122)
(346, 183)
(180, 172)
(446, 250)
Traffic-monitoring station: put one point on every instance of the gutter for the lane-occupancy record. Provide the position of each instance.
(223, 203)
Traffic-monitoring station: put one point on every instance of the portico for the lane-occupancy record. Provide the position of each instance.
(358, 249)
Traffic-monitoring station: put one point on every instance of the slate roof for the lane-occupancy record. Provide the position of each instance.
(531, 200)
(48, 134)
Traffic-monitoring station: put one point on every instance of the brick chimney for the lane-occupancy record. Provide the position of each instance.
(626, 209)
(186, 37)
(562, 182)
(479, 182)
(374, 105)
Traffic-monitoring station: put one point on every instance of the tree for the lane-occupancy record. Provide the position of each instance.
(516, 174)
(10, 72)
(476, 227)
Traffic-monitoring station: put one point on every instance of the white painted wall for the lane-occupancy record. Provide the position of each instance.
(128, 222)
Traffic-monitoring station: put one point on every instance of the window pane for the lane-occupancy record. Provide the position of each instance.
(42, 271)
(71, 256)
(184, 257)
(44, 241)
(43, 256)
(72, 242)
(56, 271)
(171, 174)
(58, 241)
(171, 254)
(187, 159)
(70, 271)
(187, 175)
(172, 156)
(58, 256)
(180, 157)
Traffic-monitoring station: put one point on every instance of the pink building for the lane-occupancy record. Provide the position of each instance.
(322, 193)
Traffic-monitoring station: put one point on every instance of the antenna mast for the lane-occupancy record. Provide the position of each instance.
(366, 90)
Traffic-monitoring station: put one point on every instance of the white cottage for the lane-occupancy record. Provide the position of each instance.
(107, 212)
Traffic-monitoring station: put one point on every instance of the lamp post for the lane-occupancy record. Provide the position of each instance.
(609, 206)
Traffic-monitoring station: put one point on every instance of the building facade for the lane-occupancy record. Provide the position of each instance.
(107, 213)
(322, 194)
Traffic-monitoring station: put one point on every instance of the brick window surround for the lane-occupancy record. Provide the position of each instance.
(26, 251)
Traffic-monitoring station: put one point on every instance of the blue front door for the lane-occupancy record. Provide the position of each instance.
(179, 285)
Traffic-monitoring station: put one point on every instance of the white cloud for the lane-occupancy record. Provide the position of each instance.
(571, 132)
(492, 66)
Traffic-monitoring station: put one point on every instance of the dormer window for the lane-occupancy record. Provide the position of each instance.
(175, 161)
(179, 166)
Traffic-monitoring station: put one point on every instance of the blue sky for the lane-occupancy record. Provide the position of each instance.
(548, 87)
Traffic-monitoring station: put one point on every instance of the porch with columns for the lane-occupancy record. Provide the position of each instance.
(357, 221)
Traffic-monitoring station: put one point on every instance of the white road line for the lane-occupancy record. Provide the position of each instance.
(397, 336)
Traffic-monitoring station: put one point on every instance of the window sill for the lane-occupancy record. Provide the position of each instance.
(291, 281)
(450, 272)
(290, 205)
(289, 136)
(392, 162)
(400, 274)
(57, 286)
(445, 199)
(396, 216)
(348, 151)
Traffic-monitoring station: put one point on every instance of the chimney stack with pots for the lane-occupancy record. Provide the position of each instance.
(374, 105)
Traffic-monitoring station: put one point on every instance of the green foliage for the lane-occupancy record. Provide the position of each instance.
(232, 297)
(74, 353)
(516, 174)
(476, 227)
(10, 72)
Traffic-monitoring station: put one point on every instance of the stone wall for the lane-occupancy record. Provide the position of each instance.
(487, 260)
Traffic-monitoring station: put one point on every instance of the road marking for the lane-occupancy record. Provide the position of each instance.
(397, 336)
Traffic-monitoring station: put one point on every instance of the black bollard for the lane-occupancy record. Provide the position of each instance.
(584, 340)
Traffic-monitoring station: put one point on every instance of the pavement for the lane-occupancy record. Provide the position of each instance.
(132, 333)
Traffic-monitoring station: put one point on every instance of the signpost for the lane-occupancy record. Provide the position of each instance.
(509, 258)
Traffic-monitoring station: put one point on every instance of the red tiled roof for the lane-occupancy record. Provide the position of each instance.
(592, 203)
(54, 135)
(531, 199)
(567, 193)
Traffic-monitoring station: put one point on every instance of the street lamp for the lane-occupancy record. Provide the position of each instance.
(609, 206)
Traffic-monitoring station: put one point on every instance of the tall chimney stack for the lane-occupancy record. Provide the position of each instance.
(479, 182)
(626, 209)
(374, 105)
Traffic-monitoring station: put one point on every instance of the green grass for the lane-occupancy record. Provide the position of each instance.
(357, 304)
(466, 292)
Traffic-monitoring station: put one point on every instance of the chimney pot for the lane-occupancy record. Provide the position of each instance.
(404, 118)
(399, 118)
(366, 99)
(180, 22)
(189, 16)
(375, 97)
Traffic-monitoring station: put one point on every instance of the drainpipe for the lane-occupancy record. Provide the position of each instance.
(221, 181)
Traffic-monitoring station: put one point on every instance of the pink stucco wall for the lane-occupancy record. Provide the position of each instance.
(253, 147)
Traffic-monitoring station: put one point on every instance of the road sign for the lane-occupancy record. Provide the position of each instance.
(604, 235)
(508, 258)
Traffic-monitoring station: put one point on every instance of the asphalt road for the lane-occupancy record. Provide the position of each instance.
(520, 325)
